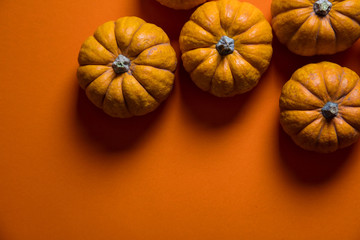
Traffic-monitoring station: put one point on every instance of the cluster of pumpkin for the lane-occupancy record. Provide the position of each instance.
(127, 66)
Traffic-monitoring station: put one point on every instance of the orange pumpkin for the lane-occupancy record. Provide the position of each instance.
(320, 107)
(181, 4)
(126, 67)
(310, 27)
(226, 47)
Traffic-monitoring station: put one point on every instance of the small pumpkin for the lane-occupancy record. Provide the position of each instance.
(181, 4)
(320, 107)
(226, 47)
(126, 67)
(316, 27)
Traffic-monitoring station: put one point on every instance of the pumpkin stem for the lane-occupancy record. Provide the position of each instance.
(322, 7)
(225, 46)
(121, 64)
(330, 110)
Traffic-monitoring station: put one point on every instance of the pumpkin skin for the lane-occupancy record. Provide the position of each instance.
(181, 4)
(307, 29)
(226, 47)
(126, 67)
(320, 107)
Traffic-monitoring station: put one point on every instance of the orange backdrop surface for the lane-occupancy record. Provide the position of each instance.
(199, 167)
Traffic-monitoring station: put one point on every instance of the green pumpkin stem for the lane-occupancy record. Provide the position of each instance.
(121, 64)
(330, 110)
(322, 7)
(225, 46)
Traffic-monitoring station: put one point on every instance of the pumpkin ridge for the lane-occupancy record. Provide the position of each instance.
(80, 79)
(97, 76)
(132, 38)
(340, 23)
(212, 78)
(250, 62)
(312, 107)
(320, 131)
(329, 98)
(231, 70)
(311, 122)
(315, 95)
(221, 23)
(206, 30)
(107, 90)
(332, 27)
(123, 93)
(248, 17)
(341, 99)
(144, 86)
(340, 81)
(232, 22)
(317, 36)
(232, 74)
(105, 46)
(233, 19)
(303, 14)
(167, 47)
(152, 67)
(83, 51)
(293, 9)
(337, 135)
(317, 119)
(205, 59)
(117, 44)
(207, 44)
(274, 18)
(240, 33)
(340, 116)
(294, 34)
(345, 15)
(159, 44)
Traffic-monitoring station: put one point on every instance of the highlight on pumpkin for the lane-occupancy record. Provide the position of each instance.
(321, 27)
(226, 47)
(126, 67)
(320, 107)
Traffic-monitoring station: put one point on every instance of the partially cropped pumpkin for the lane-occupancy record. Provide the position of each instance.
(320, 107)
(126, 67)
(310, 27)
(226, 47)
(181, 4)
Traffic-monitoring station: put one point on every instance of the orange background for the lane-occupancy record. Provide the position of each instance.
(199, 167)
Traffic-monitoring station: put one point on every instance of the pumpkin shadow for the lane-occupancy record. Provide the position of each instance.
(207, 109)
(108, 133)
(171, 20)
(286, 63)
(310, 168)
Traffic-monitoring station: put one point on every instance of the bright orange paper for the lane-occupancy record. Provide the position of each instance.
(198, 168)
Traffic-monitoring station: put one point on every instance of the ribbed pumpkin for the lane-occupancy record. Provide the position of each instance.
(310, 27)
(320, 107)
(126, 67)
(226, 47)
(181, 4)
